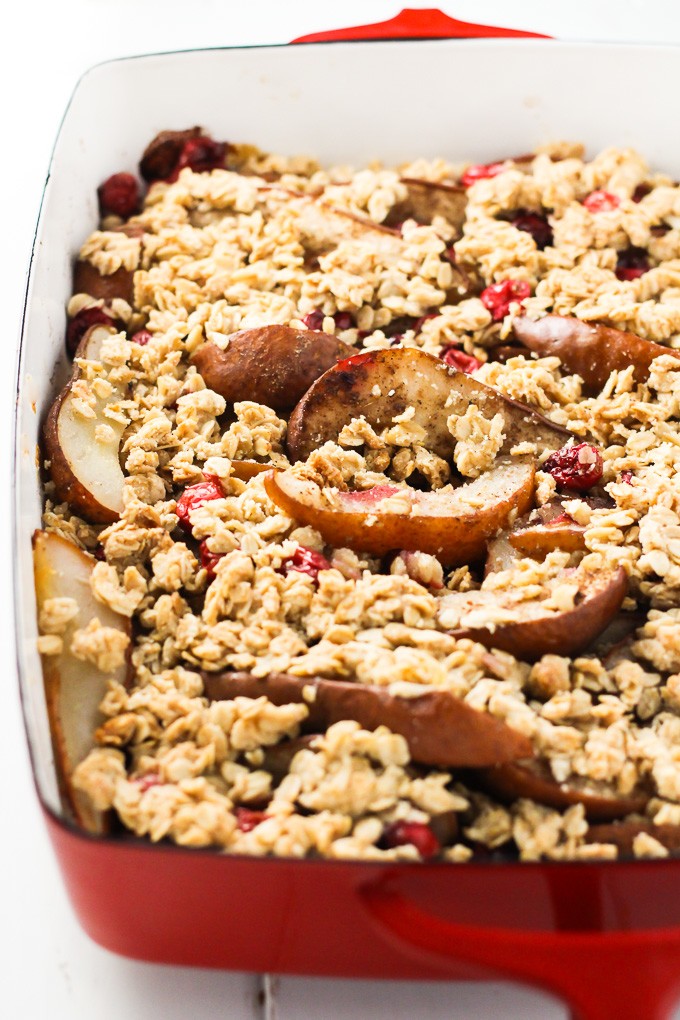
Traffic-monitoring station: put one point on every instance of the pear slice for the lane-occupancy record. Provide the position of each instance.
(73, 689)
(273, 365)
(452, 525)
(591, 350)
(381, 384)
(85, 467)
(440, 729)
(88, 280)
(623, 834)
(534, 780)
(528, 630)
(545, 529)
(540, 532)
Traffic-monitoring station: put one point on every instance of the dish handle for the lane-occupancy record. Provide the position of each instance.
(418, 23)
(635, 975)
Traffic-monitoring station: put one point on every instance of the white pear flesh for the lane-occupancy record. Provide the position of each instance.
(84, 467)
(74, 689)
(453, 525)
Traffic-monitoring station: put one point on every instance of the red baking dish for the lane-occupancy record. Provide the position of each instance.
(606, 936)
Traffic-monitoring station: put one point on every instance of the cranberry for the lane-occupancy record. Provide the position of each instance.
(201, 155)
(397, 327)
(601, 201)
(209, 559)
(343, 320)
(627, 477)
(81, 322)
(197, 495)
(481, 172)
(418, 324)
(537, 226)
(632, 263)
(575, 467)
(119, 196)
(450, 255)
(141, 337)
(499, 296)
(99, 553)
(306, 561)
(314, 320)
(455, 358)
(246, 820)
(417, 834)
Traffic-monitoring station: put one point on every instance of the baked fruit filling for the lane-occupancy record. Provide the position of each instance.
(361, 534)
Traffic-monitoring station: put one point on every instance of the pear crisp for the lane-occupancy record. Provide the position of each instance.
(369, 479)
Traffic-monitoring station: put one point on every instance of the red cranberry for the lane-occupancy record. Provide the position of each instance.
(576, 467)
(627, 477)
(397, 327)
(417, 834)
(141, 337)
(418, 324)
(481, 172)
(343, 320)
(601, 201)
(450, 254)
(81, 322)
(455, 358)
(246, 820)
(537, 226)
(499, 296)
(209, 559)
(632, 263)
(119, 196)
(197, 495)
(306, 561)
(314, 320)
(201, 155)
(99, 553)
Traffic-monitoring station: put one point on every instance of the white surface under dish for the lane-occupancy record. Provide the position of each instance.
(302, 118)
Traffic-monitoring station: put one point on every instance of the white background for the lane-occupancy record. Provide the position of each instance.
(48, 967)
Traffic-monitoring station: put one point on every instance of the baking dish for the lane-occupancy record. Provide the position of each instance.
(607, 935)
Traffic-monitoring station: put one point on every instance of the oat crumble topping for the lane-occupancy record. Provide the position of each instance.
(226, 588)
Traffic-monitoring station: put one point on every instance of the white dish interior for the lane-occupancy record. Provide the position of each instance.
(341, 102)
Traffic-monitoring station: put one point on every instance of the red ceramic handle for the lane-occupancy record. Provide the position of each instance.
(424, 23)
(631, 975)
